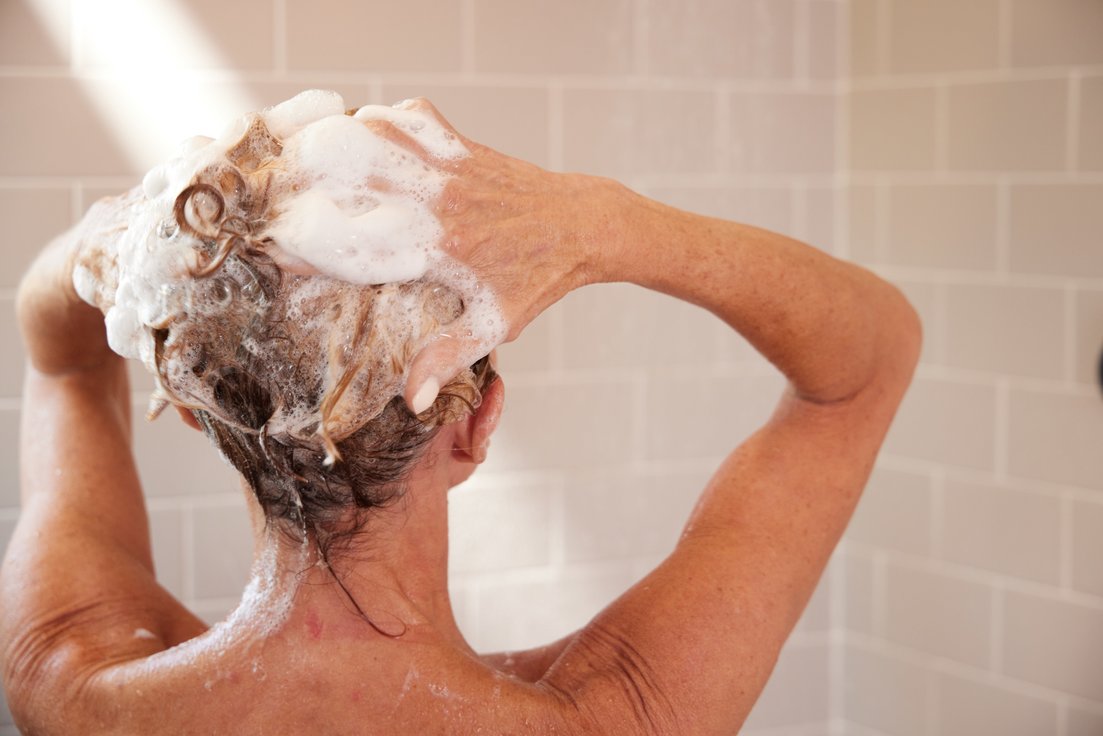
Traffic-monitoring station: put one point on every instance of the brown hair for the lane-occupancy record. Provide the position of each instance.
(254, 361)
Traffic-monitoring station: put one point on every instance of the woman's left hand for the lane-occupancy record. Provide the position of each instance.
(61, 332)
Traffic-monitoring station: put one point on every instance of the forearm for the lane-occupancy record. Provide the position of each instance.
(825, 324)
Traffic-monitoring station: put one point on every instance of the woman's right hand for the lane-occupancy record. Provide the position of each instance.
(526, 233)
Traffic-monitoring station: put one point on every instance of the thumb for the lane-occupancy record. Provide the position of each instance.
(439, 362)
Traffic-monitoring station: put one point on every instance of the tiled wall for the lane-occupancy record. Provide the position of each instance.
(974, 598)
(968, 598)
(619, 402)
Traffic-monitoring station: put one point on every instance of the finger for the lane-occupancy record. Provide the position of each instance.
(187, 417)
(392, 133)
(440, 362)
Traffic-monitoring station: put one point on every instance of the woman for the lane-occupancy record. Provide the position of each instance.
(92, 644)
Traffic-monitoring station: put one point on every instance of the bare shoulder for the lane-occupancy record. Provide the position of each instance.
(219, 684)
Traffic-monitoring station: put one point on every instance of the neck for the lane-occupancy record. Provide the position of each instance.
(389, 577)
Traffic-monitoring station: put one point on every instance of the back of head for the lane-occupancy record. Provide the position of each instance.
(295, 378)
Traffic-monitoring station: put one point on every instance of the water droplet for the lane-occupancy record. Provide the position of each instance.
(168, 228)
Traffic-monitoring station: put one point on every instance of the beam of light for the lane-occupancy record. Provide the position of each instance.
(151, 73)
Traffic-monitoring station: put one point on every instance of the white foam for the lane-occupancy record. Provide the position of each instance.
(348, 200)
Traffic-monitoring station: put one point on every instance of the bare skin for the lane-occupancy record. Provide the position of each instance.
(91, 643)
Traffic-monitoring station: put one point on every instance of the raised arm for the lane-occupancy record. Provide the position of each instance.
(689, 648)
(77, 580)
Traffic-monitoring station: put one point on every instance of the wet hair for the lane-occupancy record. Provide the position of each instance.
(254, 361)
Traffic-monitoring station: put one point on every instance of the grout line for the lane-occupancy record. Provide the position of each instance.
(933, 703)
(941, 665)
(467, 37)
(974, 575)
(1072, 124)
(279, 36)
(969, 77)
(1062, 716)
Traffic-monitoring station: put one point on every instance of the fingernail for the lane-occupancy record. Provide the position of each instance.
(426, 395)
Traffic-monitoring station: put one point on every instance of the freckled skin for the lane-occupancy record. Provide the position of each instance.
(685, 651)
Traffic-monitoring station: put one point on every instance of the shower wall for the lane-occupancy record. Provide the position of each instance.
(956, 148)
(619, 402)
(974, 594)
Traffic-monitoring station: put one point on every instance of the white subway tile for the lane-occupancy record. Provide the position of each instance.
(512, 120)
(865, 37)
(1088, 336)
(795, 693)
(782, 133)
(937, 614)
(624, 326)
(166, 531)
(555, 424)
(621, 133)
(1054, 643)
(859, 593)
(1081, 722)
(1006, 329)
(1090, 141)
(895, 512)
(1007, 126)
(496, 527)
(35, 32)
(9, 458)
(824, 41)
(970, 708)
(886, 693)
(519, 615)
(411, 36)
(202, 34)
(943, 36)
(706, 417)
(1087, 547)
(223, 544)
(620, 514)
(892, 129)
(174, 459)
(721, 38)
(1056, 32)
(946, 421)
(1006, 531)
(13, 357)
(31, 217)
(942, 226)
(565, 37)
(1055, 437)
(1054, 229)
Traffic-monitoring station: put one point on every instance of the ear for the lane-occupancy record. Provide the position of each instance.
(187, 417)
(472, 436)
